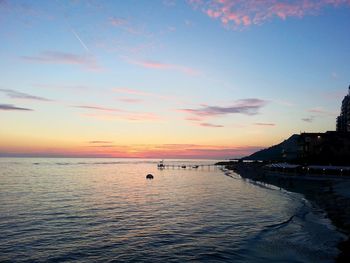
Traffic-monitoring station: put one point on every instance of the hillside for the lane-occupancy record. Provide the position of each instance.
(286, 150)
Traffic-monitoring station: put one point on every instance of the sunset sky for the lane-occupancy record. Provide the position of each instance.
(168, 79)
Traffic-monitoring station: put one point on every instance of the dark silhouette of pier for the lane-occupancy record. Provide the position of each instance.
(189, 166)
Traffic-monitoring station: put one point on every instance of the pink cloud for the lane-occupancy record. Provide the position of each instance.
(239, 14)
(321, 111)
(141, 93)
(138, 116)
(131, 100)
(128, 26)
(106, 113)
(132, 92)
(194, 119)
(55, 57)
(118, 21)
(164, 66)
(127, 116)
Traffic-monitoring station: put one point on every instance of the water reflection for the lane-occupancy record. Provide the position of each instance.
(103, 209)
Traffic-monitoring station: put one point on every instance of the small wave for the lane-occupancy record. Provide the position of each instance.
(278, 225)
(300, 213)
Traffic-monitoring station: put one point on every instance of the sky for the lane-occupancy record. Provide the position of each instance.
(211, 79)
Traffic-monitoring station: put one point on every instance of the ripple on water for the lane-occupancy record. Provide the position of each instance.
(90, 210)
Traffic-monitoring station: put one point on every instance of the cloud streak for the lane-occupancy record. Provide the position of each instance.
(151, 64)
(238, 14)
(265, 124)
(130, 100)
(210, 125)
(322, 111)
(55, 57)
(128, 26)
(100, 142)
(105, 113)
(308, 119)
(21, 95)
(98, 108)
(244, 106)
(141, 93)
(10, 107)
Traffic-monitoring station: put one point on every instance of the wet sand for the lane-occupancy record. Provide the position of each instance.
(330, 194)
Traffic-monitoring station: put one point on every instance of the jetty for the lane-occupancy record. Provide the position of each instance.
(189, 166)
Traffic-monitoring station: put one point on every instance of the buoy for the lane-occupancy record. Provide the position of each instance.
(149, 176)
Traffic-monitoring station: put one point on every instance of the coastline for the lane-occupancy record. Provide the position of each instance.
(330, 194)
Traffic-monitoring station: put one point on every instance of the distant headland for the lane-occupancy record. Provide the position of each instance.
(328, 148)
(316, 165)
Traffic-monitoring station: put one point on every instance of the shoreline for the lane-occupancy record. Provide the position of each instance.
(331, 195)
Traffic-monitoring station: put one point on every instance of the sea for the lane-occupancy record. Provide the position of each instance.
(105, 210)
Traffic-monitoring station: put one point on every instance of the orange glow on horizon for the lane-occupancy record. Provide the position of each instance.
(129, 151)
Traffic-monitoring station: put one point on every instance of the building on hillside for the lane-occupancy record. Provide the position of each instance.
(329, 148)
(343, 120)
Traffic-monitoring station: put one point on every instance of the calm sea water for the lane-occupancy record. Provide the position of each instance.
(104, 210)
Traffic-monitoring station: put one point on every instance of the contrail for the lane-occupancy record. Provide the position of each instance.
(71, 28)
(81, 41)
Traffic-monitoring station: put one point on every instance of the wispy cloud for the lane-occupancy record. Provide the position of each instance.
(196, 151)
(55, 57)
(103, 146)
(106, 113)
(210, 125)
(151, 64)
(100, 142)
(117, 21)
(21, 95)
(128, 26)
(308, 119)
(10, 107)
(244, 106)
(237, 14)
(321, 111)
(141, 93)
(130, 100)
(97, 108)
(133, 92)
(265, 124)
(128, 116)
